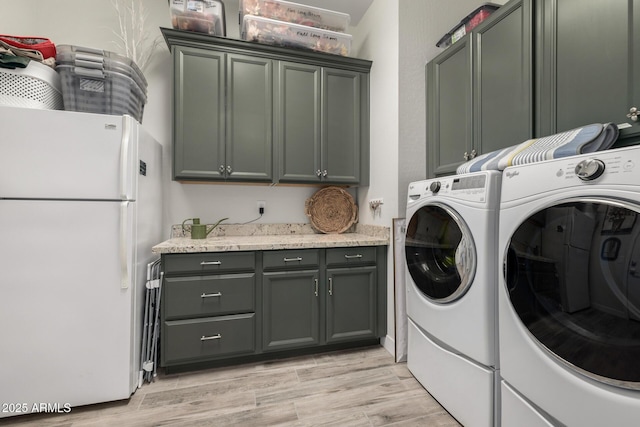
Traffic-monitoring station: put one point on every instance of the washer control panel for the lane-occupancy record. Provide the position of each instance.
(475, 187)
(589, 169)
(610, 167)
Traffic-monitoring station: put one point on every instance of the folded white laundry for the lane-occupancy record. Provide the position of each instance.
(586, 139)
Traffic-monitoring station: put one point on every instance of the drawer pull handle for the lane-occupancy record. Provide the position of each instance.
(217, 294)
(212, 337)
(330, 286)
(293, 259)
(353, 256)
(316, 282)
(211, 263)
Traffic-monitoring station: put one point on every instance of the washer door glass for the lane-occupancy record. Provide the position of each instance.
(440, 253)
(573, 277)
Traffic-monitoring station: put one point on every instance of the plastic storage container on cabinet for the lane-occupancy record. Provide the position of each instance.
(279, 33)
(471, 21)
(200, 16)
(36, 86)
(296, 13)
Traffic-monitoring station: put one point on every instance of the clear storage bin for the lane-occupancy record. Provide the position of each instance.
(296, 13)
(86, 57)
(201, 16)
(278, 33)
(97, 91)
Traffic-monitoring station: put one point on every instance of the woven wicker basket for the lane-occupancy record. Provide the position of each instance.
(331, 210)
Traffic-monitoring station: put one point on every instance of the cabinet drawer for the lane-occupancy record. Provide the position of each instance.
(202, 296)
(351, 256)
(208, 262)
(291, 259)
(198, 339)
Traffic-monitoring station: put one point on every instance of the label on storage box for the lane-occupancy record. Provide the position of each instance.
(200, 6)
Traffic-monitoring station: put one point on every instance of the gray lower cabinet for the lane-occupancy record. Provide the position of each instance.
(336, 303)
(479, 90)
(222, 116)
(291, 310)
(251, 112)
(217, 307)
(351, 303)
(588, 65)
(208, 307)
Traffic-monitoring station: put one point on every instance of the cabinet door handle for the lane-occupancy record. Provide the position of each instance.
(474, 153)
(465, 156)
(221, 169)
(292, 259)
(353, 256)
(217, 294)
(316, 283)
(229, 170)
(633, 113)
(211, 263)
(318, 173)
(211, 337)
(325, 173)
(330, 286)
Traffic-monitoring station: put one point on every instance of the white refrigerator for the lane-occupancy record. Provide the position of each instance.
(80, 209)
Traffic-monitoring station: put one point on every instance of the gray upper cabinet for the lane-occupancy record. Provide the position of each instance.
(479, 90)
(299, 121)
(589, 64)
(503, 85)
(249, 118)
(449, 108)
(258, 113)
(319, 119)
(199, 118)
(216, 96)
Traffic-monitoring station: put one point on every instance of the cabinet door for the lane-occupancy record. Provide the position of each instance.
(298, 130)
(449, 102)
(198, 114)
(589, 64)
(503, 114)
(291, 310)
(249, 113)
(341, 126)
(351, 303)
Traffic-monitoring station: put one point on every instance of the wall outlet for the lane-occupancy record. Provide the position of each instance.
(261, 206)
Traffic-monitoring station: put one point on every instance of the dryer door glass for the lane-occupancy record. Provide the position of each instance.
(573, 277)
(440, 253)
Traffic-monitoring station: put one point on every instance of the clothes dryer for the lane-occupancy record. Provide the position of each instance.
(569, 295)
(450, 250)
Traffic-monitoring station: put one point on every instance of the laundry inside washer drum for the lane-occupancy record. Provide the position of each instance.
(435, 246)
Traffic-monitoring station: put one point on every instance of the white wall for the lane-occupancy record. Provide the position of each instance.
(376, 38)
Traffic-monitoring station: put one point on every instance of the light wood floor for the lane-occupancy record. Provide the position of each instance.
(362, 387)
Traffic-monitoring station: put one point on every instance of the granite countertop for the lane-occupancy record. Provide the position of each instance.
(259, 237)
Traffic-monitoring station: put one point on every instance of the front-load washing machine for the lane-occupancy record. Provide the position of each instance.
(569, 291)
(450, 248)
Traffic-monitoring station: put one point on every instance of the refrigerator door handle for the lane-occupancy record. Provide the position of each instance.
(124, 159)
(124, 262)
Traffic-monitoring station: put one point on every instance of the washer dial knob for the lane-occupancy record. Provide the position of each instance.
(590, 169)
(435, 186)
